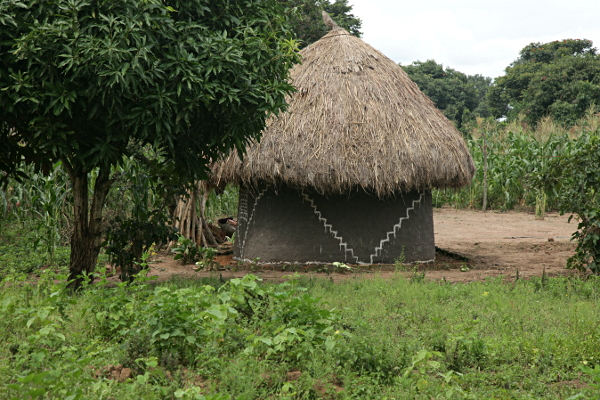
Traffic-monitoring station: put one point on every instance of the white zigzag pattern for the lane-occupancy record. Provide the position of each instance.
(256, 199)
(396, 228)
(329, 226)
(243, 206)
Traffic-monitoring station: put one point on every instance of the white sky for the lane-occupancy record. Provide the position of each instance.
(472, 36)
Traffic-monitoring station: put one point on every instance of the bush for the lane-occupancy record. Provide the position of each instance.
(188, 325)
(577, 178)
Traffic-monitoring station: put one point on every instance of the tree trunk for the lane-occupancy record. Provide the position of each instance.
(87, 224)
(189, 222)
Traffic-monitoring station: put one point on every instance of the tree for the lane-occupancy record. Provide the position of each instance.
(456, 94)
(560, 79)
(84, 82)
(307, 20)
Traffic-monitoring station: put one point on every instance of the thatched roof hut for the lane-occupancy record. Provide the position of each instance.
(357, 120)
(357, 124)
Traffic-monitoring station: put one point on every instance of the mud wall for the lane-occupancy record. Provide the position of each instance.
(287, 225)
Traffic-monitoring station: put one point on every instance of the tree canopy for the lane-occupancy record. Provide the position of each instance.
(307, 21)
(84, 82)
(560, 79)
(457, 95)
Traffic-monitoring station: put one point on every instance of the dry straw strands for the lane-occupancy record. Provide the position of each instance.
(356, 121)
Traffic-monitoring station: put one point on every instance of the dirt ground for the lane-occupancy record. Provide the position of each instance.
(472, 245)
(502, 243)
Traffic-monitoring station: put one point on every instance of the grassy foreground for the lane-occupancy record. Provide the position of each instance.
(304, 339)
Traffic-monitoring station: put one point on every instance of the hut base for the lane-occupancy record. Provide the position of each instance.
(290, 226)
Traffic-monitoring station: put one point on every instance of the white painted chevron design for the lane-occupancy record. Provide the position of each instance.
(329, 227)
(396, 228)
(248, 217)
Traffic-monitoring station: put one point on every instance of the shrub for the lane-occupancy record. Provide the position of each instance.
(577, 178)
(188, 325)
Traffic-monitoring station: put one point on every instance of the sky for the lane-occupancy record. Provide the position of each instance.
(472, 36)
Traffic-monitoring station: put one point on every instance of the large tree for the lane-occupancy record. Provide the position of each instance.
(457, 95)
(560, 79)
(86, 81)
(307, 20)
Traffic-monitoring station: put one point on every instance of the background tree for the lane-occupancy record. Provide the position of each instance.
(307, 21)
(459, 96)
(560, 79)
(85, 83)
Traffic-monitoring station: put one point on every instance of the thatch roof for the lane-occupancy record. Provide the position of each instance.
(356, 121)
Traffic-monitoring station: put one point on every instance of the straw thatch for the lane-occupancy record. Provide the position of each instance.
(356, 121)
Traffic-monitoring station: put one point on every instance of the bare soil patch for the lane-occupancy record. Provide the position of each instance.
(473, 246)
(501, 243)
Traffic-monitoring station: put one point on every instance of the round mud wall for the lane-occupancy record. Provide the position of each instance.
(287, 225)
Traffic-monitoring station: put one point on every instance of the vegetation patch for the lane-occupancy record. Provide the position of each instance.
(304, 339)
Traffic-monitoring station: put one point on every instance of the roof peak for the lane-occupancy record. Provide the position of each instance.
(330, 22)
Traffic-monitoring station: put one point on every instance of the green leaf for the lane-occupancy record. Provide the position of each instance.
(217, 313)
(190, 339)
(83, 89)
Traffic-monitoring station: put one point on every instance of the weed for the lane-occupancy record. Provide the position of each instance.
(417, 277)
(342, 267)
(467, 350)
(186, 250)
(254, 265)
(17, 254)
(421, 365)
(208, 259)
(375, 338)
(399, 261)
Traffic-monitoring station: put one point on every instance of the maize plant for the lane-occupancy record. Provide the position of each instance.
(42, 204)
(516, 165)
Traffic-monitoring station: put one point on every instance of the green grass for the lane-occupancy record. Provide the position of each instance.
(359, 339)
(384, 339)
(19, 255)
(508, 340)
